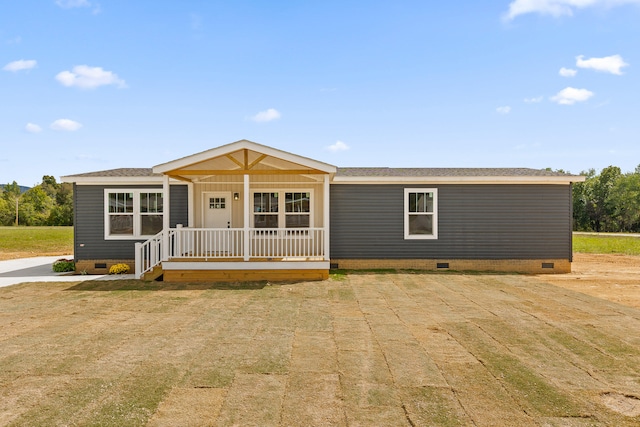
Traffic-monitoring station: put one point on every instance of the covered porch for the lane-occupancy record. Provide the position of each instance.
(255, 213)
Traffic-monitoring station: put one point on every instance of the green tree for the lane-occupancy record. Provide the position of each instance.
(36, 206)
(62, 212)
(582, 202)
(624, 198)
(11, 195)
(601, 208)
(48, 203)
(6, 212)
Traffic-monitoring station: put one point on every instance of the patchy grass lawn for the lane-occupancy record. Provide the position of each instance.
(604, 244)
(368, 349)
(23, 242)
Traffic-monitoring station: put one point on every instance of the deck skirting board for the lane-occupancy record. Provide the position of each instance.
(245, 275)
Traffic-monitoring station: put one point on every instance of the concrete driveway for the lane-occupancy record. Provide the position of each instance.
(39, 269)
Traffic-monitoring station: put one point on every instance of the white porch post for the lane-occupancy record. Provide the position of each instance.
(166, 220)
(325, 215)
(138, 264)
(191, 205)
(247, 240)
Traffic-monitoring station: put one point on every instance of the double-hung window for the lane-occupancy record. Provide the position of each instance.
(420, 213)
(297, 209)
(282, 209)
(132, 214)
(265, 210)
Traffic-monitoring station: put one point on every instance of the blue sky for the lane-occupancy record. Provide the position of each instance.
(89, 85)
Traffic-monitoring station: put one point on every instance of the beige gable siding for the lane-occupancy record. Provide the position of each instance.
(234, 184)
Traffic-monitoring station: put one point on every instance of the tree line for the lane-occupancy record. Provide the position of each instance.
(48, 203)
(609, 201)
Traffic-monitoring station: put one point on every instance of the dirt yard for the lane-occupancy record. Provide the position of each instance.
(360, 350)
(612, 277)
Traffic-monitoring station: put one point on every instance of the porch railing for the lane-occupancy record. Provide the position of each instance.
(148, 254)
(218, 243)
(207, 243)
(286, 243)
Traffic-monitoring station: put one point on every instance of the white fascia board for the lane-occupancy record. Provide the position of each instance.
(240, 145)
(118, 180)
(459, 180)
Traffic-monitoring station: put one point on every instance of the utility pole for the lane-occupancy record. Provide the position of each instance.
(17, 197)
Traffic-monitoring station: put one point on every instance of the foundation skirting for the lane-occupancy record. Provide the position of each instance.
(529, 266)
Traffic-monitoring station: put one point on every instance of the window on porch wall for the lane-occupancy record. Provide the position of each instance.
(265, 209)
(295, 211)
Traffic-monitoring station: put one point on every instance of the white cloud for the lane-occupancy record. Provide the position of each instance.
(65, 125)
(534, 100)
(266, 116)
(20, 65)
(557, 8)
(608, 64)
(338, 146)
(32, 128)
(15, 40)
(504, 110)
(69, 4)
(570, 95)
(86, 77)
(567, 72)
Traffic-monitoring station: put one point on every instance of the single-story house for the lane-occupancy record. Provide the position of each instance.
(246, 211)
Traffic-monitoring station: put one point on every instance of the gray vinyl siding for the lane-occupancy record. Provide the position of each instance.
(89, 242)
(474, 222)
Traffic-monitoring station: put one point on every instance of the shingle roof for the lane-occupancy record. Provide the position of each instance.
(365, 172)
(384, 172)
(121, 172)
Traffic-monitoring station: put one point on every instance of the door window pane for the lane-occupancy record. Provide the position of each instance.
(217, 203)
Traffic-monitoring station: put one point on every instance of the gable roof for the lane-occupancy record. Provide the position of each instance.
(283, 158)
(347, 175)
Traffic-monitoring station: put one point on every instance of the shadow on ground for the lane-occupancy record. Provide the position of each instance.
(139, 285)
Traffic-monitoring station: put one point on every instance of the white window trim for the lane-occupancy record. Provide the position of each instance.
(136, 212)
(282, 219)
(408, 236)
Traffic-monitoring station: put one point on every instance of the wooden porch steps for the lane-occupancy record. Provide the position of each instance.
(154, 274)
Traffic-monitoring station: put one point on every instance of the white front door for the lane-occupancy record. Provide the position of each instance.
(217, 215)
(217, 210)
